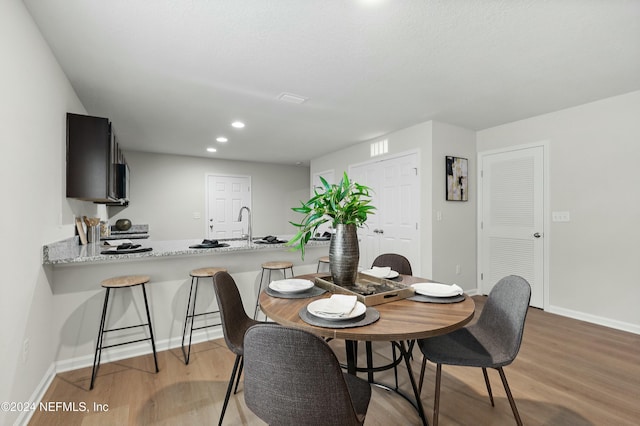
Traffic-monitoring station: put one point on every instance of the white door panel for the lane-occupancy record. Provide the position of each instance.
(393, 227)
(225, 196)
(512, 219)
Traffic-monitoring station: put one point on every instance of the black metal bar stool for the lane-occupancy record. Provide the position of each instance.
(191, 306)
(115, 283)
(324, 260)
(271, 266)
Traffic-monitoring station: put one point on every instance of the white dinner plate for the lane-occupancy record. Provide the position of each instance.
(315, 309)
(373, 273)
(291, 285)
(437, 289)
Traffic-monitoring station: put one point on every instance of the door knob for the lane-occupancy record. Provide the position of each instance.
(380, 231)
(537, 235)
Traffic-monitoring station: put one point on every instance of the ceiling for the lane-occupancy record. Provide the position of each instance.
(173, 74)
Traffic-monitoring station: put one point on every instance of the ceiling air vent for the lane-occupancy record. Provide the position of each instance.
(290, 97)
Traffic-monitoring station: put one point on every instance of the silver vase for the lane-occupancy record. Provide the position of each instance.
(344, 255)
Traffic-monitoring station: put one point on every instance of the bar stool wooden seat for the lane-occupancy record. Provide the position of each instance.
(116, 283)
(271, 266)
(324, 260)
(196, 274)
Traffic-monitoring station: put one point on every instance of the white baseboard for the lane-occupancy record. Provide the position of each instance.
(472, 292)
(594, 319)
(36, 397)
(607, 322)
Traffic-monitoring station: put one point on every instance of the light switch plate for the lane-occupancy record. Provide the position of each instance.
(560, 217)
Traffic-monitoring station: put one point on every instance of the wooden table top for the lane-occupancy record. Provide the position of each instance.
(399, 320)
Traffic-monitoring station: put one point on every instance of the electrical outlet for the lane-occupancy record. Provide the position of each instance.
(458, 269)
(196, 215)
(560, 217)
(438, 216)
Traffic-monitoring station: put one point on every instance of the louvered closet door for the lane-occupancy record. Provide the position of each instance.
(512, 219)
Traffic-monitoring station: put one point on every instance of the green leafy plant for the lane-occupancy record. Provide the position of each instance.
(344, 203)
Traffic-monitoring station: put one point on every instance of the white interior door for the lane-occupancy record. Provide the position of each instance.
(393, 227)
(225, 196)
(512, 219)
(369, 235)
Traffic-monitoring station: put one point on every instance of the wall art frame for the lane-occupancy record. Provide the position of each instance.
(457, 178)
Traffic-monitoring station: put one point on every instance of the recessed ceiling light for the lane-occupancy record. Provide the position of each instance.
(222, 139)
(238, 124)
(211, 149)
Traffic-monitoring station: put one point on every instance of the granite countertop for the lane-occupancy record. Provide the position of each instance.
(70, 252)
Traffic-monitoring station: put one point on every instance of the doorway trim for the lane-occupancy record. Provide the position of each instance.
(545, 208)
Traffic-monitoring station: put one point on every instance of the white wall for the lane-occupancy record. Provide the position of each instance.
(35, 98)
(594, 156)
(454, 236)
(166, 190)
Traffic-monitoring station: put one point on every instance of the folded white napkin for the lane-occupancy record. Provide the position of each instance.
(337, 305)
(378, 271)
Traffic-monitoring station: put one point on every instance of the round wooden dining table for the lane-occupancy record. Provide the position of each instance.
(401, 322)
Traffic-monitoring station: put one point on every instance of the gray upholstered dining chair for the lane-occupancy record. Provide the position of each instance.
(491, 342)
(235, 322)
(292, 377)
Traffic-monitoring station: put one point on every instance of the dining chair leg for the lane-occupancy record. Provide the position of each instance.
(231, 380)
(486, 382)
(436, 400)
(238, 375)
(424, 365)
(510, 396)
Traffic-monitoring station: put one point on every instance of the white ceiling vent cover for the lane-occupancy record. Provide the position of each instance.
(290, 97)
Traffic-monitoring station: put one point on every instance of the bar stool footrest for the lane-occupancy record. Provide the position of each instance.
(125, 343)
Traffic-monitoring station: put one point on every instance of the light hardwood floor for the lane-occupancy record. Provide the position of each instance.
(568, 372)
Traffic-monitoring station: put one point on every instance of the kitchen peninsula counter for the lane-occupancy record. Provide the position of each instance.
(75, 273)
(70, 252)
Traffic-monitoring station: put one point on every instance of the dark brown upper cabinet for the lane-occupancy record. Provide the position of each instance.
(93, 156)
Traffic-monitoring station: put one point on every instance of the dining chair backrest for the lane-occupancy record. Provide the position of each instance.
(396, 262)
(503, 317)
(293, 377)
(233, 317)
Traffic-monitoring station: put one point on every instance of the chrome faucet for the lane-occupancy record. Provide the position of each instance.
(249, 234)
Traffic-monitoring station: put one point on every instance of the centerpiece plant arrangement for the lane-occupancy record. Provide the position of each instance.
(346, 205)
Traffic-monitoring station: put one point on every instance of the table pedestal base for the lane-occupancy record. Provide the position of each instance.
(405, 352)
